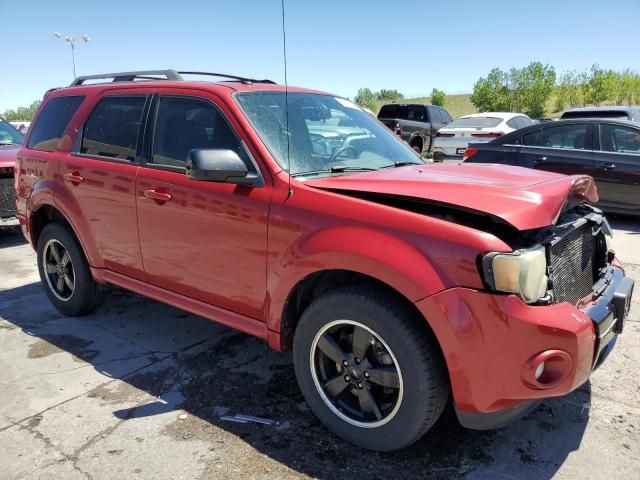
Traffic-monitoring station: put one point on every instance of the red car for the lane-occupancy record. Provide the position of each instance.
(294, 216)
(10, 142)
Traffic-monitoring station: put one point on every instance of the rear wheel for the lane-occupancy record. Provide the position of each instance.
(65, 274)
(418, 148)
(368, 370)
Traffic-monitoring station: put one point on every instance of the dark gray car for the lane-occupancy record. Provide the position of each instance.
(416, 124)
(614, 113)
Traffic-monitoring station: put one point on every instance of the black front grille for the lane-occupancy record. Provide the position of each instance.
(573, 265)
(7, 197)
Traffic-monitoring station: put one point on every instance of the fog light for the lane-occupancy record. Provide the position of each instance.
(547, 369)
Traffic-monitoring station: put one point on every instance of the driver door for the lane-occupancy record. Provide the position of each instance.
(204, 240)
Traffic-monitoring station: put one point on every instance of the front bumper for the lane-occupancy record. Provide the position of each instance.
(491, 344)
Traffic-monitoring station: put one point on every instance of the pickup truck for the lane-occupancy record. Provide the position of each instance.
(416, 124)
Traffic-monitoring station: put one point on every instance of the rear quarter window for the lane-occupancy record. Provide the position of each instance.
(52, 122)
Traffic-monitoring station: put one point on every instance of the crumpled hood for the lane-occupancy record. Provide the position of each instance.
(521, 197)
(8, 154)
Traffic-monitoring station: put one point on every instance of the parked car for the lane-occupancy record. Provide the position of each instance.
(607, 150)
(394, 282)
(10, 142)
(613, 113)
(416, 124)
(451, 141)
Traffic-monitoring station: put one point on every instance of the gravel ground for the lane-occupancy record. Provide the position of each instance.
(137, 390)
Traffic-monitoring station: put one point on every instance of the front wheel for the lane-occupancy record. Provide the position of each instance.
(368, 370)
(65, 273)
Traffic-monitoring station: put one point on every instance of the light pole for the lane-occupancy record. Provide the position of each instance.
(72, 42)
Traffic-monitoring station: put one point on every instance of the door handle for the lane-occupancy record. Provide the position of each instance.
(74, 177)
(158, 195)
(607, 166)
(540, 160)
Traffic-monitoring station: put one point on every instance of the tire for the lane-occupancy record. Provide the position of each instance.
(86, 295)
(420, 385)
(417, 148)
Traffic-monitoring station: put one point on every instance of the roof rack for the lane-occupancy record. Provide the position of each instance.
(232, 77)
(160, 75)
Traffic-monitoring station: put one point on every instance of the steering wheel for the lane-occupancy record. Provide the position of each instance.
(341, 150)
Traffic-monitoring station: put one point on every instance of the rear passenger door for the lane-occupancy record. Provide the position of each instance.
(563, 149)
(100, 174)
(617, 172)
(205, 240)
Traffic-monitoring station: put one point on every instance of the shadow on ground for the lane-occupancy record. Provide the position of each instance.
(233, 373)
(11, 237)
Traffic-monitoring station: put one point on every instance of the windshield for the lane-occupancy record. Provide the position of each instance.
(9, 135)
(325, 133)
(475, 122)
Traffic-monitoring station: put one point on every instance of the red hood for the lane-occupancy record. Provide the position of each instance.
(8, 154)
(522, 197)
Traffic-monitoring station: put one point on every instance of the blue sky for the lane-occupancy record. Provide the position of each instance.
(333, 45)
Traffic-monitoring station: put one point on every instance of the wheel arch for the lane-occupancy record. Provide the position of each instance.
(45, 213)
(318, 283)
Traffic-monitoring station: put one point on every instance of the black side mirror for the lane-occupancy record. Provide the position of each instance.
(219, 165)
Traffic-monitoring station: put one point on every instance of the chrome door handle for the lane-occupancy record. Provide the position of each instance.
(74, 178)
(158, 195)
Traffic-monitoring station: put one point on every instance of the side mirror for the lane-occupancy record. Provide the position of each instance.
(218, 165)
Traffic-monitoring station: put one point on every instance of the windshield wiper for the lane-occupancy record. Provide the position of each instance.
(401, 164)
(334, 169)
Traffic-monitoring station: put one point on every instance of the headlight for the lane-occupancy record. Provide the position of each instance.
(523, 272)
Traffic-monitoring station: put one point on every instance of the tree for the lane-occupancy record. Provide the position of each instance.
(366, 98)
(385, 95)
(491, 93)
(535, 85)
(521, 89)
(438, 97)
(23, 113)
(601, 85)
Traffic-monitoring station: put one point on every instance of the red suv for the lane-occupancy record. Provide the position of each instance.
(295, 216)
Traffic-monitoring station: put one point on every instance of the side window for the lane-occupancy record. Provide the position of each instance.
(417, 114)
(112, 128)
(435, 115)
(51, 123)
(563, 136)
(616, 138)
(388, 111)
(445, 116)
(512, 123)
(524, 121)
(183, 124)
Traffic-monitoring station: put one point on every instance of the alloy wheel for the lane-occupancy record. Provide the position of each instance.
(356, 373)
(58, 270)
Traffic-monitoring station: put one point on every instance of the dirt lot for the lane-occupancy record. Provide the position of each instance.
(137, 391)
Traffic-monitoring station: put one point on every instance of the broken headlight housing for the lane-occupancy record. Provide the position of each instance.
(523, 272)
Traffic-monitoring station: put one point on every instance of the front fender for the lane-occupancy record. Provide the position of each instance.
(382, 256)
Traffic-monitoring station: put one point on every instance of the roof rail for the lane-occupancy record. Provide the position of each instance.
(130, 76)
(154, 74)
(232, 77)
